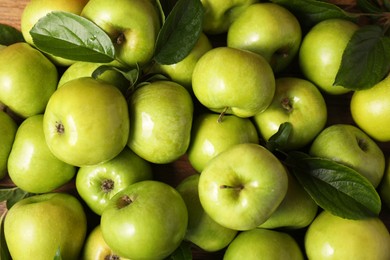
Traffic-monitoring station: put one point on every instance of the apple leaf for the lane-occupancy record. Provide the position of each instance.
(180, 32)
(73, 37)
(183, 252)
(9, 35)
(366, 59)
(58, 256)
(335, 187)
(13, 195)
(4, 253)
(280, 138)
(368, 6)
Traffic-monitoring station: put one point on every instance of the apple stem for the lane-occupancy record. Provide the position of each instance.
(107, 185)
(286, 104)
(220, 118)
(60, 127)
(240, 187)
(124, 201)
(111, 257)
(120, 39)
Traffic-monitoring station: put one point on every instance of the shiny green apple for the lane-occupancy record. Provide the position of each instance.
(8, 128)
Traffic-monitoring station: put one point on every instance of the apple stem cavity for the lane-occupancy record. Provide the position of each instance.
(125, 201)
(362, 144)
(107, 185)
(120, 39)
(220, 118)
(112, 257)
(238, 188)
(286, 104)
(60, 127)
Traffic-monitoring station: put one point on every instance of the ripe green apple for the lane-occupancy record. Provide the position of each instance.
(146, 220)
(233, 81)
(209, 137)
(31, 165)
(370, 110)
(333, 237)
(161, 119)
(86, 122)
(219, 14)
(37, 227)
(27, 79)
(268, 29)
(242, 186)
(299, 102)
(202, 230)
(97, 184)
(349, 145)
(384, 186)
(132, 25)
(8, 129)
(263, 244)
(321, 52)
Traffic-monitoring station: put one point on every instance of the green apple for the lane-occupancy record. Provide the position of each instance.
(261, 243)
(209, 136)
(38, 226)
(146, 220)
(86, 122)
(349, 145)
(233, 81)
(132, 25)
(27, 79)
(268, 29)
(161, 115)
(36, 9)
(8, 129)
(202, 230)
(219, 14)
(296, 211)
(31, 165)
(370, 110)
(384, 186)
(242, 186)
(299, 102)
(333, 237)
(321, 52)
(97, 184)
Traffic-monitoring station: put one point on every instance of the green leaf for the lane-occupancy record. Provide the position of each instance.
(180, 32)
(4, 253)
(279, 140)
(72, 37)
(58, 256)
(368, 6)
(9, 35)
(335, 187)
(183, 252)
(13, 195)
(366, 59)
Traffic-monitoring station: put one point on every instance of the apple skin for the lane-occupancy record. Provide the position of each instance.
(218, 82)
(321, 53)
(147, 220)
(333, 237)
(261, 243)
(202, 230)
(8, 128)
(298, 102)
(278, 42)
(37, 226)
(210, 137)
(370, 110)
(349, 145)
(81, 131)
(132, 25)
(384, 186)
(27, 79)
(31, 165)
(97, 184)
(242, 186)
(160, 129)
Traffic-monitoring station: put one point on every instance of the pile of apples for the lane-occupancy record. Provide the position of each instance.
(248, 99)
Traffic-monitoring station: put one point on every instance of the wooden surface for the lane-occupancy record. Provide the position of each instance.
(338, 110)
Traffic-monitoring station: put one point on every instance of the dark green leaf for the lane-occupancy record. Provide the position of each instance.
(72, 37)
(279, 140)
(183, 252)
(366, 59)
(4, 253)
(131, 75)
(180, 32)
(335, 187)
(58, 256)
(9, 35)
(368, 6)
(13, 195)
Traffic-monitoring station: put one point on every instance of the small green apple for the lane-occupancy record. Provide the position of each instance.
(263, 244)
(210, 136)
(97, 184)
(242, 186)
(161, 115)
(333, 237)
(299, 102)
(146, 220)
(86, 122)
(202, 230)
(349, 145)
(27, 79)
(38, 226)
(321, 52)
(268, 29)
(31, 165)
(233, 81)
(370, 110)
(8, 128)
(384, 186)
